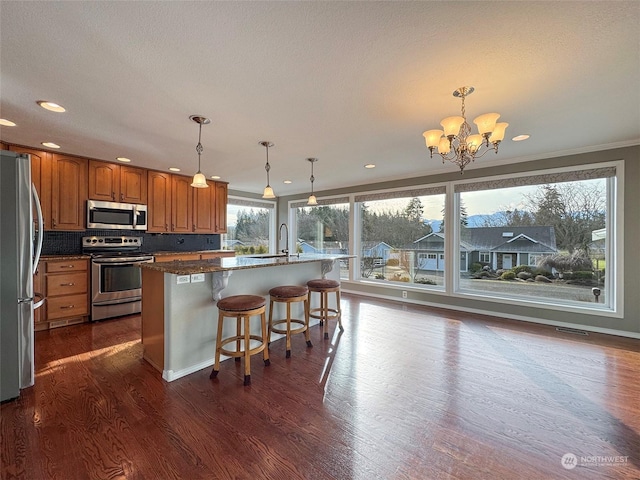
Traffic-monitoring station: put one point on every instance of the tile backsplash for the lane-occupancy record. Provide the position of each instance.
(70, 243)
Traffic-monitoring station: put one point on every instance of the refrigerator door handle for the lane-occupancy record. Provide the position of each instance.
(38, 250)
(38, 299)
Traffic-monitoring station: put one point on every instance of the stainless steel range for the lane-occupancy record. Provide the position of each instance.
(116, 279)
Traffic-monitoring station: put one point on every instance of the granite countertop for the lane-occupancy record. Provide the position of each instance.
(74, 256)
(238, 263)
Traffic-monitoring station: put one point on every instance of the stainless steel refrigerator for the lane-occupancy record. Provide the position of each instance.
(20, 246)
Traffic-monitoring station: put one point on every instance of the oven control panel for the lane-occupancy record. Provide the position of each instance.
(111, 242)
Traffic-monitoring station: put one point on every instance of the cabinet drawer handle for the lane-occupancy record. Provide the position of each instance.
(67, 266)
(68, 306)
(67, 284)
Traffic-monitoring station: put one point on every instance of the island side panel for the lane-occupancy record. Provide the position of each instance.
(191, 315)
(153, 317)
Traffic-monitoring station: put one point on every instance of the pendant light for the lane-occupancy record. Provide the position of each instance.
(268, 191)
(199, 180)
(312, 198)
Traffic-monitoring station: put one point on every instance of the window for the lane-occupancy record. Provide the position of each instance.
(548, 237)
(323, 229)
(250, 226)
(401, 237)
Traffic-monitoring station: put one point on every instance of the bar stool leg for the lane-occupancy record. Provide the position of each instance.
(247, 355)
(216, 365)
(239, 335)
(270, 322)
(288, 334)
(265, 351)
(339, 310)
(307, 333)
(324, 300)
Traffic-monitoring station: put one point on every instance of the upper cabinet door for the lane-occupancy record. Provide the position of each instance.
(133, 185)
(69, 192)
(159, 192)
(181, 204)
(221, 193)
(41, 178)
(104, 181)
(204, 209)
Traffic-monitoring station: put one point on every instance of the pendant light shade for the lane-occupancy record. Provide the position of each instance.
(199, 180)
(268, 191)
(312, 198)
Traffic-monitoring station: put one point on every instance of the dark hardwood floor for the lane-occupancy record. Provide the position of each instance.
(405, 392)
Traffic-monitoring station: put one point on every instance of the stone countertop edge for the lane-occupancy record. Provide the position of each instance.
(77, 256)
(236, 263)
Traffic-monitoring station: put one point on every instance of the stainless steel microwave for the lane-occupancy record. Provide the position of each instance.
(113, 215)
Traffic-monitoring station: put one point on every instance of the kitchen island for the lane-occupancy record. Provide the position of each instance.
(179, 314)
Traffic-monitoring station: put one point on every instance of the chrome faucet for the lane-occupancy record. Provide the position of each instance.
(285, 250)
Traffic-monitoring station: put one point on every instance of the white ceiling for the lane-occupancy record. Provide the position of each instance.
(348, 82)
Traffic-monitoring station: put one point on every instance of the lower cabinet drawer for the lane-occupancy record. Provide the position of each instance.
(67, 306)
(66, 284)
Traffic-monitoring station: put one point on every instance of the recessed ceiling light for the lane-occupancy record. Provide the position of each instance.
(6, 123)
(287, 182)
(50, 144)
(215, 177)
(54, 107)
(519, 138)
(123, 159)
(369, 165)
(174, 169)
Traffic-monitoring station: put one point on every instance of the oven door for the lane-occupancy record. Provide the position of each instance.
(116, 280)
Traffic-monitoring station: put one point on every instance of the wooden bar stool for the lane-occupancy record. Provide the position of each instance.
(289, 294)
(324, 286)
(242, 307)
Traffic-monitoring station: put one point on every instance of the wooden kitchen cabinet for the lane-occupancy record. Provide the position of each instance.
(176, 207)
(68, 192)
(41, 178)
(66, 289)
(159, 209)
(183, 257)
(220, 219)
(204, 209)
(111, 182)
(181, 204)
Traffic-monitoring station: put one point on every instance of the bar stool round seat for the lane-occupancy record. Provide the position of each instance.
(288, 326)
(242, 308)
(324, 286)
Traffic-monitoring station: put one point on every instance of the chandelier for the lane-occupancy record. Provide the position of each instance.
(456, 144)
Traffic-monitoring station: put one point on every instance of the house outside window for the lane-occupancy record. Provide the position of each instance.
(542, 237)
(397, 240)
